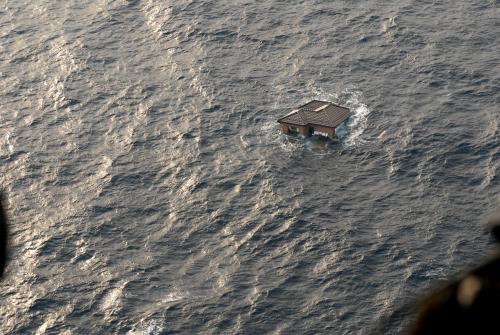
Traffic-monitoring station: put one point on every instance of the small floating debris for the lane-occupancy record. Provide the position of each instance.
(382, 135)
(316, 118)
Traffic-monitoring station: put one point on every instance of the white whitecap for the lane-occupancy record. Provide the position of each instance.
(150, 327)
(172, 297)
(358, 122)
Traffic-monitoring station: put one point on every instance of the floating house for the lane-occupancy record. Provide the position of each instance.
(315, 118)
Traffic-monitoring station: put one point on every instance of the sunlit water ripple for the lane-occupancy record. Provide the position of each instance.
(151, 192)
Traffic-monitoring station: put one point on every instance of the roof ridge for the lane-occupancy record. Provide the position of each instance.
(313, 101)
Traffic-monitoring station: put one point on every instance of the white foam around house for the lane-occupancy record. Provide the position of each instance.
(320, 133)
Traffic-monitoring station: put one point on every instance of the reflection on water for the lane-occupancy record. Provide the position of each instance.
(152, 191)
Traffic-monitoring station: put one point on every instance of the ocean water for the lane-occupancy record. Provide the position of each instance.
(151, 192)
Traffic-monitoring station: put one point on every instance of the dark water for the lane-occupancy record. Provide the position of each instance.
(151, 192)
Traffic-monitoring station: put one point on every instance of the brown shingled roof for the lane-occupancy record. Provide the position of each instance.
(320, 113)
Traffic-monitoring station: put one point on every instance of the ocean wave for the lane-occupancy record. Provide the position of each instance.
(148, 327)
(359, 121)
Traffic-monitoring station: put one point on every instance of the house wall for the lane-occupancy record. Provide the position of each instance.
(284, 128)
(304, 130)
(328, 130)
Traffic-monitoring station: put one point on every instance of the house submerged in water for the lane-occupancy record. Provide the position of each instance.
(315, 118)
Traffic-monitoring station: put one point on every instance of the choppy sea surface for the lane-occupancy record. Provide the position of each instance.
(151, 192)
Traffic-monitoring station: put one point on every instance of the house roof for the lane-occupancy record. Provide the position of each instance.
(321, 113)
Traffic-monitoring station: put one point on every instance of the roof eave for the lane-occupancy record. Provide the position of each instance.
(331, 103)
(304, 105)
(293, 123)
